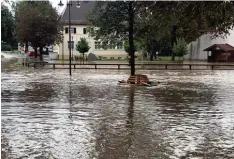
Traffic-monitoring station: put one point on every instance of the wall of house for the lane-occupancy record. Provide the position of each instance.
(63, 47)
(196, 48)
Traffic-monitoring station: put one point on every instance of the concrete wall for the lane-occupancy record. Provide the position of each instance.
(196, 48)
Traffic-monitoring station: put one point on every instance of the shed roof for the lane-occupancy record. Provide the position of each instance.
(78, 15)
(224, 47)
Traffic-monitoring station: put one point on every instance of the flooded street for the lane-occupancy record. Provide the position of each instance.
(47, 114)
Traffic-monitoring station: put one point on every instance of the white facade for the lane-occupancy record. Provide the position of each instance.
(196, 48)
(63, 50)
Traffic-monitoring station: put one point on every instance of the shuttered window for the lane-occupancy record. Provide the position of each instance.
(74, 30)
(66, 30)
(84, 30)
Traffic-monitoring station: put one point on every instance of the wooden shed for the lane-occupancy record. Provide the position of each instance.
(220, 53)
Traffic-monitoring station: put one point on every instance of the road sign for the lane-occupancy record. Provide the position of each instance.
(71, 44)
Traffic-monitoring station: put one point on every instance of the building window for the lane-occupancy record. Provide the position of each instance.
(84, 30)
(120, 46)
(73, 30)
(112, 45)
(97, 45)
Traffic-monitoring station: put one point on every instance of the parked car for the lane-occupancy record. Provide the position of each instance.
(32, 53)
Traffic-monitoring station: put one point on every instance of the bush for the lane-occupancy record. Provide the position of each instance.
(5, 47)
(180, 48)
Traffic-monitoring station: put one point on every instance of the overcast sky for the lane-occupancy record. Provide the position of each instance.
(53, 2)
(56, 2)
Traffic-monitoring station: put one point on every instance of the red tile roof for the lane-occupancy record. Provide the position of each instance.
(224, 47)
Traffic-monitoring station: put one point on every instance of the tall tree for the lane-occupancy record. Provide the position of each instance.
(114, 21)
(192, 19)
(160, 23)
(39, 24)
(7, 26)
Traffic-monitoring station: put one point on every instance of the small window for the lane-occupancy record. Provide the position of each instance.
(97, 45)
(66, 30)
(112, 45)
(84, 30)
(112, 58)
(74, 30)
(120, 46)
(119, 58)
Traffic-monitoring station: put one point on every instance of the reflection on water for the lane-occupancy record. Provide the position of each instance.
(47, 114)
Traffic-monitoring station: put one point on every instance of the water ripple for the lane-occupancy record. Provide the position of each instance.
(47, 114)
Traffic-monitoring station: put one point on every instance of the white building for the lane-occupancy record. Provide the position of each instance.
(196, 48)
(79, 30)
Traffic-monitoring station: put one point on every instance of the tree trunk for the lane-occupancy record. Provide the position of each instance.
(35, 50)
(173, 41)
(11, 47)
(83, 58)
(130, 38)
(41, 55)
(47, 51)
(26, 47)
(151, 56)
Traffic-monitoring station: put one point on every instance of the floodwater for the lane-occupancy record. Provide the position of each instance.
(47, 114)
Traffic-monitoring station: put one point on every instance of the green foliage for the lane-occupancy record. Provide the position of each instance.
(5, 47)
(139, 45)
(7, 28)
(193, 18)
(108, 21)
(180, 48)
(157, 24)
(127, 48)
(82, 46)
(38, 23)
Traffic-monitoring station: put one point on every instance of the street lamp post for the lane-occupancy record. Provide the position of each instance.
(69, 4)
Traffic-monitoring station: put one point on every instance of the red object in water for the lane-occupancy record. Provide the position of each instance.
(32, 53)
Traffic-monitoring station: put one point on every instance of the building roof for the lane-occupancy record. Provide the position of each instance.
(78, 15)
(224, 47)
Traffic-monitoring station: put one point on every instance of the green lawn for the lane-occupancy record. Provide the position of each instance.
(168, 58)
(15, 51)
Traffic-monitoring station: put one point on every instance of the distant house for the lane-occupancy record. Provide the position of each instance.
(79, 30)
(220, 53)
(196, 47)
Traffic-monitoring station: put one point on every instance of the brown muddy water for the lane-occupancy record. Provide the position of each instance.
(47, 114)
